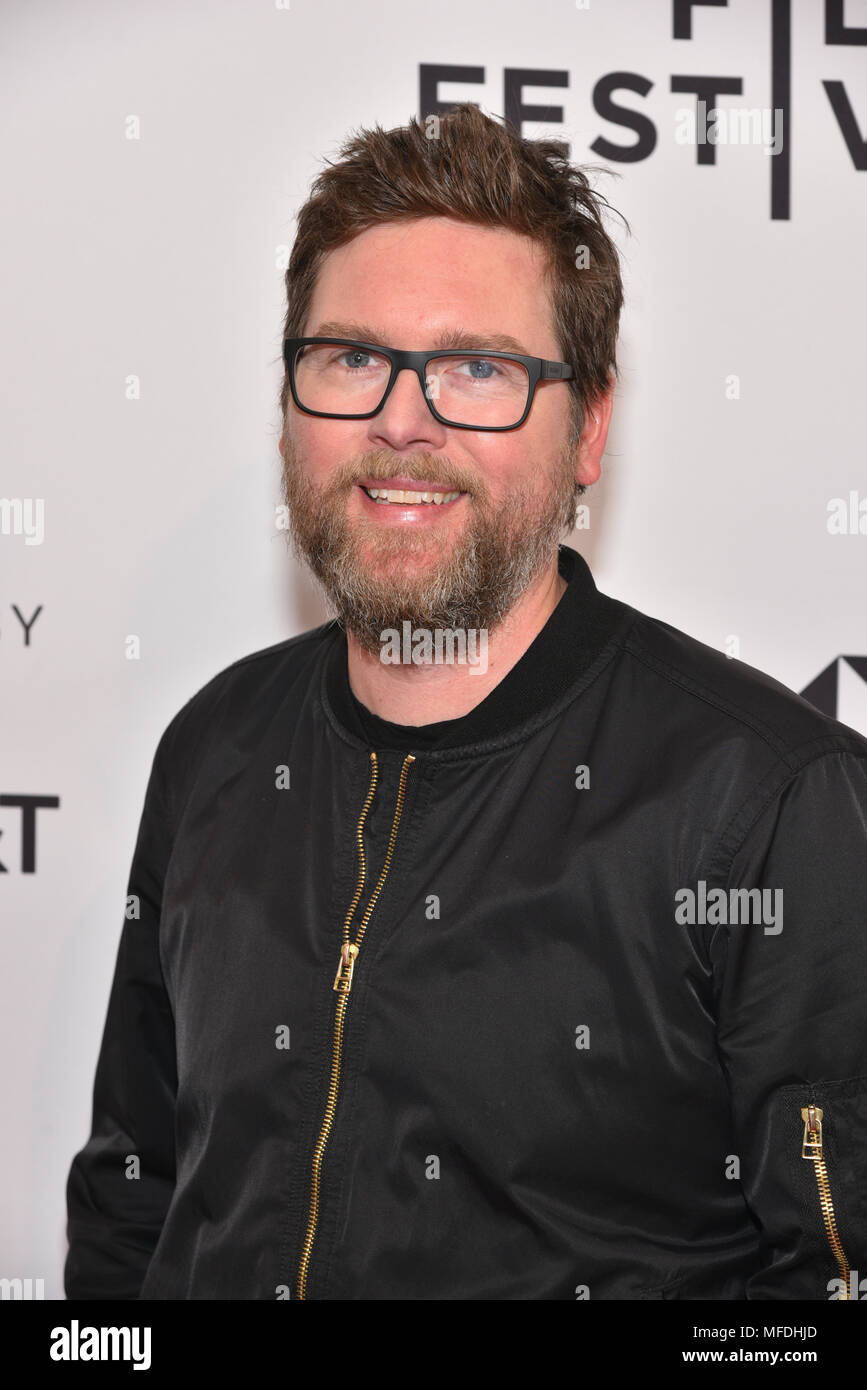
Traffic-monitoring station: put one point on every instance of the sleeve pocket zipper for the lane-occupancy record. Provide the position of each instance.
(813, 1150)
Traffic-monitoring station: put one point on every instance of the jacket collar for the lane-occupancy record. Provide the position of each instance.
(563, 657)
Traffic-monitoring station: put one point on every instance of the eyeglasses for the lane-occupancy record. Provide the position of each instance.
(340, 379)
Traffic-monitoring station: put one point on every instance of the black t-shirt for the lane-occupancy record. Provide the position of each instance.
(382, 733)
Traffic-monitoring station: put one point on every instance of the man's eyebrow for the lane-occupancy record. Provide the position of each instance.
(460, 339)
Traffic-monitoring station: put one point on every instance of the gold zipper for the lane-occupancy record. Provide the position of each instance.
(343, 984)
(813, 1149)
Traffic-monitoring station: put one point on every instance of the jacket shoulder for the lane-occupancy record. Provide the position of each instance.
(247, 693)
(745, 703)
(259, 671)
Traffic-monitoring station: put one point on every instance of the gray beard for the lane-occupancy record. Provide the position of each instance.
(363, 570)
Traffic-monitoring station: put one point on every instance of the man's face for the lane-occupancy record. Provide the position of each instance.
(460, 563)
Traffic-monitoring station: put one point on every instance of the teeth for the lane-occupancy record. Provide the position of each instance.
(382, 494)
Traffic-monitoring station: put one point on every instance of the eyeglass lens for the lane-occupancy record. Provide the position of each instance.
(466, 388)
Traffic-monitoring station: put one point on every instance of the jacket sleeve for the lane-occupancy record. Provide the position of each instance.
(120, 1184)
(792, 1029)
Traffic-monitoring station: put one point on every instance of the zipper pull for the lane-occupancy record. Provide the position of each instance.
(343, 978)
(812, 1145)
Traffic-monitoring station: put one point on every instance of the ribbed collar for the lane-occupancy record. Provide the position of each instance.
(580, 629)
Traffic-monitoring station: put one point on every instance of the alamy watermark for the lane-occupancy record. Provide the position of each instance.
(23, 516)
(738, 125)
(21, 1289)
(732, 907)
(855, 1290)
(441, 646)
(77, 1343)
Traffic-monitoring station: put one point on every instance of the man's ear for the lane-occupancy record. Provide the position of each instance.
(591, 445)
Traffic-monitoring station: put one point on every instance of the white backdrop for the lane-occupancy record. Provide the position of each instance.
(154, 158)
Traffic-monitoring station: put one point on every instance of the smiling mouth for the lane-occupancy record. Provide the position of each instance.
(387, 496)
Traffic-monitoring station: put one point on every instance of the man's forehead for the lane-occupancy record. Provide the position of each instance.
(438, 250)
(440, 293)
(448, 232)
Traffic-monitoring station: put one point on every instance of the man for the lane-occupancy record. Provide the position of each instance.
(533, 973)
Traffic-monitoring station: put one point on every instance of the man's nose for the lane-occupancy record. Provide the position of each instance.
(406, 412)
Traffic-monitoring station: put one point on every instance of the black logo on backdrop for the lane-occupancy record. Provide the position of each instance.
(841, 699)
(706, 87)
(28, 806)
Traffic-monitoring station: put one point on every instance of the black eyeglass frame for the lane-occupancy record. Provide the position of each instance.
(538, 369)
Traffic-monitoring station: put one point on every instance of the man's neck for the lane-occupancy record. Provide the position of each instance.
(430, 692)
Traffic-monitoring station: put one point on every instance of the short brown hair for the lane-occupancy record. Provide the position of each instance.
(470, 167)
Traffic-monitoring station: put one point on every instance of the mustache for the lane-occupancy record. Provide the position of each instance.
(375, 468)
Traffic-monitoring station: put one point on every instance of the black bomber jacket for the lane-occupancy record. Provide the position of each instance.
(562, 999)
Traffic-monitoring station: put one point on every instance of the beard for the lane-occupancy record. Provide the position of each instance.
(435, 575)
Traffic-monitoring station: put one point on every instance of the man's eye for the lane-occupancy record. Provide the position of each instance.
(480, 368)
